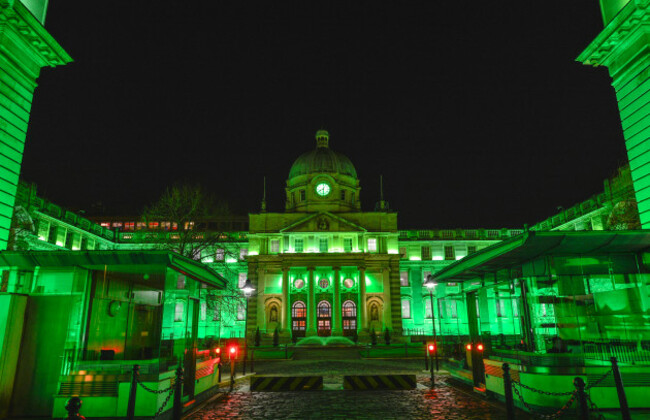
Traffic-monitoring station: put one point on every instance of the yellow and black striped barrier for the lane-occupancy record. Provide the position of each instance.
(366, 382)
(286, 383)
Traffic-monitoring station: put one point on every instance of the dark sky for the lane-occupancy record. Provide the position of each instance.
(476, 113)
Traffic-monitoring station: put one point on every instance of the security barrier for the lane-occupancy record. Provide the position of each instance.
(286, 383)
(366, 382)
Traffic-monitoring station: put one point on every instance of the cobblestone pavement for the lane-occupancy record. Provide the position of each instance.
(444, 402)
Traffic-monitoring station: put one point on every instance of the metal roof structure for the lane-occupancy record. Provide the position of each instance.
(533, 244)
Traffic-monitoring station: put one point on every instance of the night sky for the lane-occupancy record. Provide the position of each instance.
(476, 113)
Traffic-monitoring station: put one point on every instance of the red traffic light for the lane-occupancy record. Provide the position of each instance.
(218, 350)
(479, 347)
(233, 350)
(432, 348)
(468, 347)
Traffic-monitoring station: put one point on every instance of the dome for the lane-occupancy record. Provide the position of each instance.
(322, 159)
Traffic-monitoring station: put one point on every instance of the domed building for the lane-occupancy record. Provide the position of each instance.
(324, 267)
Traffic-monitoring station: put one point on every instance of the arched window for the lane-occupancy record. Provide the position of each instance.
(324, 309)
(299, 310)
(349, 309)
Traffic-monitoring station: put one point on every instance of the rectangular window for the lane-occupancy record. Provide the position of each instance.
(342, 195)
(180, 282)
(322, 245)
(178, 312)
(243, 253)
(166, 225)
(404, 278)
(216, 315)
(293, 197)
(425, 274)
(51, 237)
(241, 312)
(426, 252)
(453, 309)
(241, 280)
(406, 308)
(129, 226)
(449, 252)
(501, 307)
(140, 225)
(471, 249)
(275, 246)
(303, 195)
(372, 245)
(347, 244)
(220, 254)
(515, 308)
(427, 308)
(298, 245)
(204, 311)
(402, 252)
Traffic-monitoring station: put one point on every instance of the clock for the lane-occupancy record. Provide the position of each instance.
(322, 189)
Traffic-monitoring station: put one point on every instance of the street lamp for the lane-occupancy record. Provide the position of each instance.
(248, 290)
(431, 284)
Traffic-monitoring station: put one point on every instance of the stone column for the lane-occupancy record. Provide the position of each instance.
(362, 298)
(311, 305)
(387, 299)
(336, 313)
(286, 310)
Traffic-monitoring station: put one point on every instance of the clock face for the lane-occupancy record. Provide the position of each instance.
(322, 189)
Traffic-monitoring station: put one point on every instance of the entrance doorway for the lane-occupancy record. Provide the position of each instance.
(324, 318)
(298, 319)
(349, 311)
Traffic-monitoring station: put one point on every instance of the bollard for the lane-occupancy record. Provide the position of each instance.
(620, 390)
(433, 380)
(232, 373)
(219, 373)
(583, 409)
(507, 391)
(178, 395)
(73, 407)
(130, 410)
(426, 359)
(252, 360)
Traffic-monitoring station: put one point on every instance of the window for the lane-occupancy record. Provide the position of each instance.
(243, 253)
(348, 283)
(324, 309)
(299, 310)
(216, 315)
(427, 309)
(478, 309)
(349, 309)
(347, 244)
(402, 252)
(343, 195)
(298, 283)
(241, 312)
(406, 308)
(515, 308)
(425, 274)
(293, 197)
(275, 246)
(298, 245)
(449, 252)
(220, 254)
(322, 245)
(324, 283)
(501, 307)
(241, 280)
(453, 309)
(140, 225)
(426, 252)
(303, 195)
(178, 312)
(180, 282)
(166, 225)
(471, 249)
(204, 311)
(129, 226)
(404, 278)
(51, 237)
(372, 245)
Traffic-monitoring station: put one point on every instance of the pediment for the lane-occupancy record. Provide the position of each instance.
(323, 222)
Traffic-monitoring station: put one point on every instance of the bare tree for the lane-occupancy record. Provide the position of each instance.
(186, 217)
